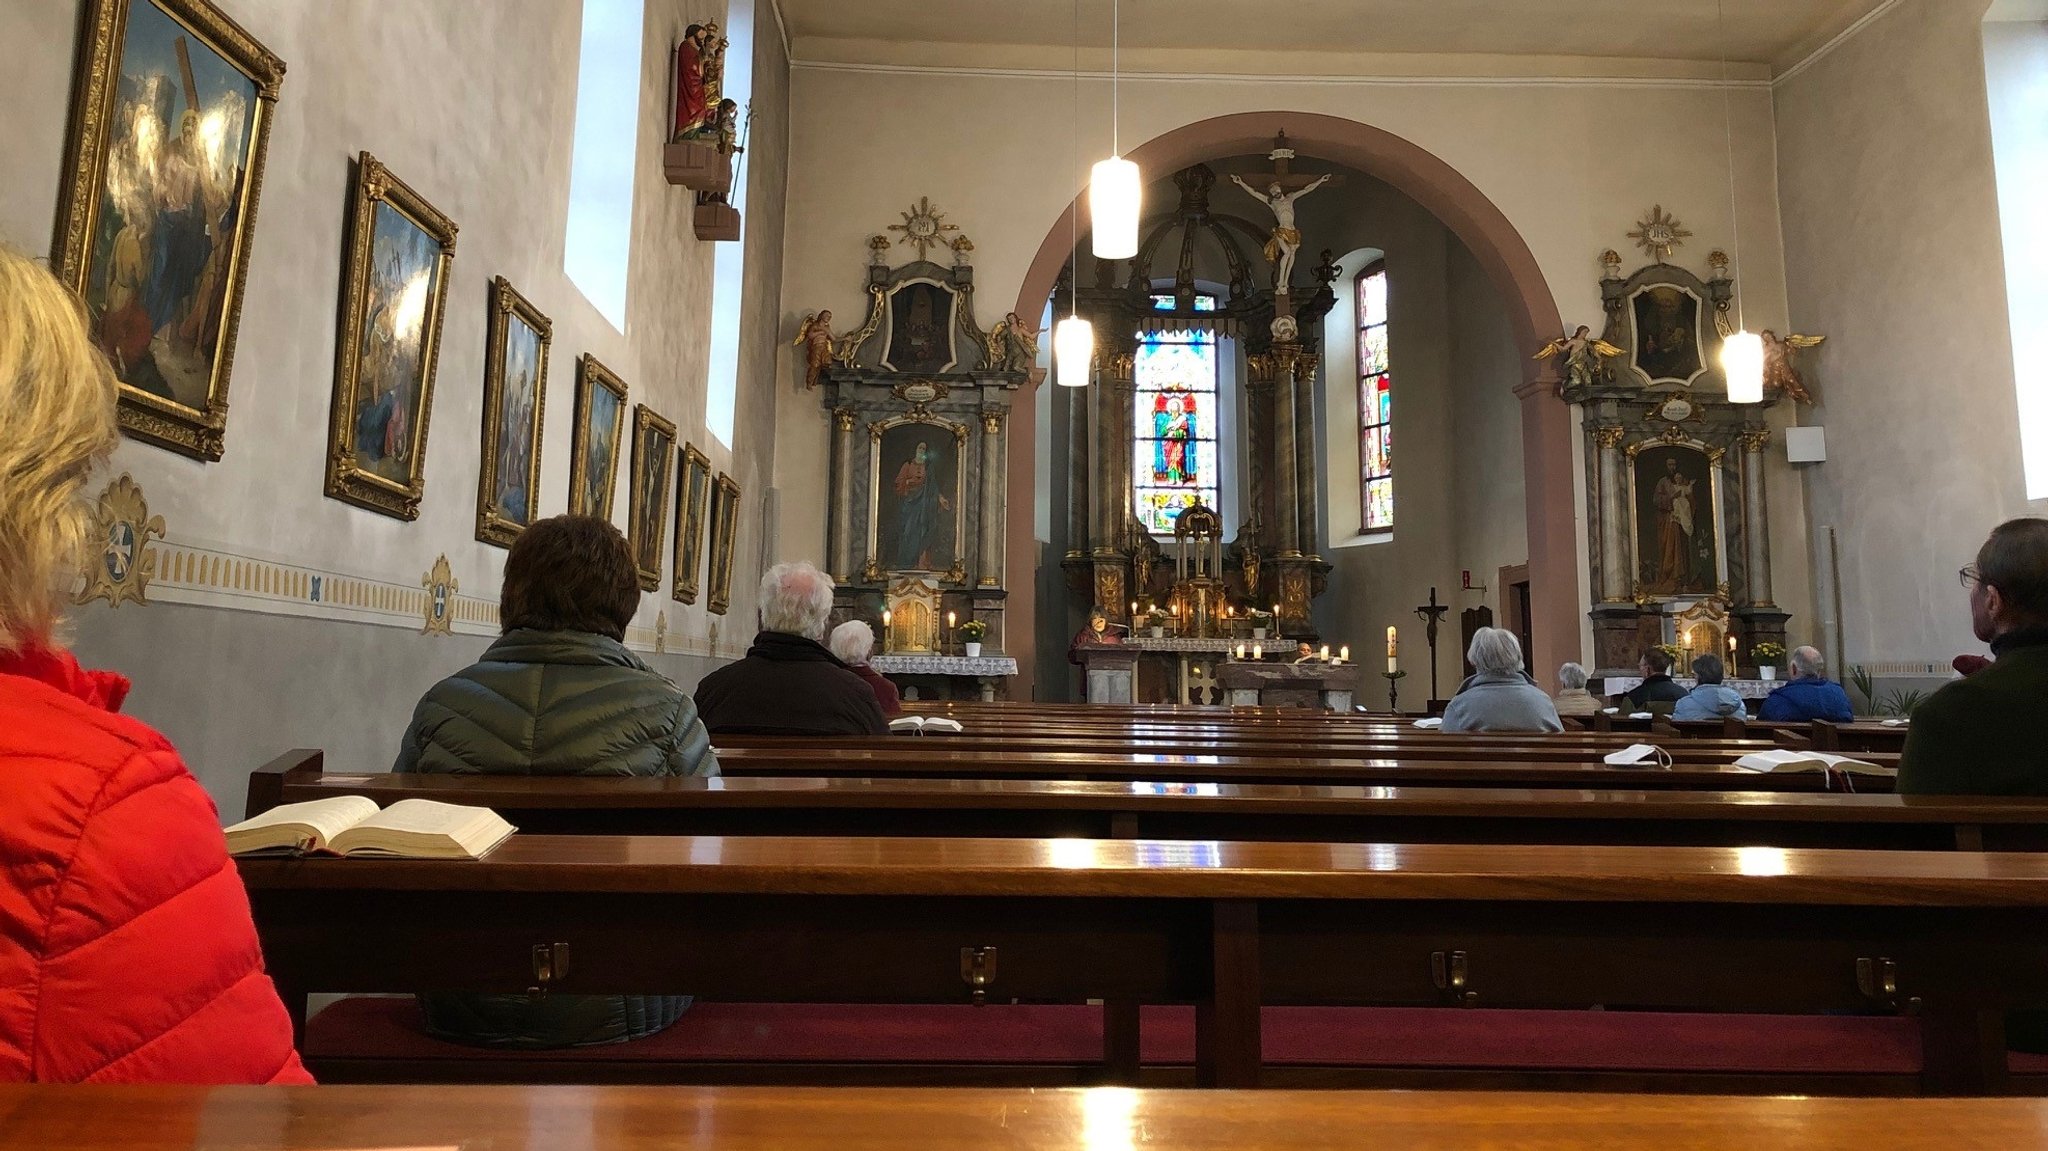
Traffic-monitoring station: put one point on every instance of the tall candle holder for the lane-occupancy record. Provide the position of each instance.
(1394, 689)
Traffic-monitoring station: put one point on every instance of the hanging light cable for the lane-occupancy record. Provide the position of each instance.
(1742, 353)
(1073, 339)
(1116, 193)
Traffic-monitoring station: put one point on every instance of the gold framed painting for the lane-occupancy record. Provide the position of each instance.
(654, 446)
(515, 399)
(163, 167)
(394, 292)
(725, 514)
(693, 493)
(594, 440)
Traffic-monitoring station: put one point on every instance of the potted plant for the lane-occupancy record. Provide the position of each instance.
(970, 636)
(1768, 655)
(1261, 620)
(1156, 619)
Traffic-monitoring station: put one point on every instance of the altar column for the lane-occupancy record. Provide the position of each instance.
(1119, 385)
(1301, 374)
(991, 531)
(1259, 439)
(841, 560)
(1614, 513)
(1286, 491)
(1756, 519)
(1079, 516)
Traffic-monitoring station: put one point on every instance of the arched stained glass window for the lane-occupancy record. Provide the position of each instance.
(1174, 461)
(1375, 404)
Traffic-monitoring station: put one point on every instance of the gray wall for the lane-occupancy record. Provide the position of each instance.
(473, 106)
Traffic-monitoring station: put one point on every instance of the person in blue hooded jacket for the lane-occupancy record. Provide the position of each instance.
(1808, 695)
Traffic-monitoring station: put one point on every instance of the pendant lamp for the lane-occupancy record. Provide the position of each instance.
(1116, 192)
(1742, 353)
(1742, 362)
(1073, 339)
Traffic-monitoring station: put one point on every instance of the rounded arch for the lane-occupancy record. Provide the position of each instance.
(1554, 546)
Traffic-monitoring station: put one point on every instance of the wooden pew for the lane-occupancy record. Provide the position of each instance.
(1956, 939)
(161, 1118)
(777, 805)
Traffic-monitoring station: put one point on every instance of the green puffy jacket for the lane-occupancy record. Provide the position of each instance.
(554, 703)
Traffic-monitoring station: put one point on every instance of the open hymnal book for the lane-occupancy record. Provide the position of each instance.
(1809, 761)
(924, 724)
(353, 825)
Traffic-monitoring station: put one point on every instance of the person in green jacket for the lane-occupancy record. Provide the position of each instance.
(1983, 735)
(558, 694)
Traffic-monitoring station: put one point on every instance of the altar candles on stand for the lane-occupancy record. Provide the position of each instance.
(1393, 651)
(1258, 651)
(1344, 654)
(1325, 656)
(1240, 651)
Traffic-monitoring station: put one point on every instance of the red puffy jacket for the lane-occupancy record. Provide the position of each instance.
(127, 953)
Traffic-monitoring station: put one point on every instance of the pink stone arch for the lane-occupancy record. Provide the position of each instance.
(1500, 249)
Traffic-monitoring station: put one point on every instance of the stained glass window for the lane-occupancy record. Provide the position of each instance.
(1375, 404)
(1174, 464)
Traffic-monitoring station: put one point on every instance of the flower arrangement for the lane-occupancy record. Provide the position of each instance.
(1258, 615)
(972, 631)
(1156, 617)
(1768, 653)
(1674, 650)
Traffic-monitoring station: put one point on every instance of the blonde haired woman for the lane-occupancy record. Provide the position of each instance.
(125, 937)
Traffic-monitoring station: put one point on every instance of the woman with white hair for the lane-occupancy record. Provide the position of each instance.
(124, 930)
(853, 643)
(1572, 697)
(1498, 697)
(789, 683)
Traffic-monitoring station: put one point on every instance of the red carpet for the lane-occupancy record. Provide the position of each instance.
(1325, 1036)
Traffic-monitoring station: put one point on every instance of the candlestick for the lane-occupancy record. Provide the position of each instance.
(951, 619)
(1393, 689)
(1258, 651)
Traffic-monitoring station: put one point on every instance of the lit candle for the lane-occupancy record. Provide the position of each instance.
(1134, 610)
(1393, 650)
(886, 617)
(1258, 651)
(1344, 654)
(1276, 611)
(1240, 651)
(1326, 653)
(1176, 611)
(951, 618)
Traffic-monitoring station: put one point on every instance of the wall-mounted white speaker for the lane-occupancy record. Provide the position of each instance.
(1806, 445)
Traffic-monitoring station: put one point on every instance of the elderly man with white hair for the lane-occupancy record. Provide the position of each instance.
(853, 643)
(789, 684)
(1572, 697)
(1498, 696)
(1808, 695)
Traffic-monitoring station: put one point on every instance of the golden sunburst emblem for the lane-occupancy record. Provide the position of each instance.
(924, 226)
(1659, 234)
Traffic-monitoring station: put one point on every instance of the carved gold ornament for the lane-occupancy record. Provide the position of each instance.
(441, 587)
(121, 563)
(1659, 234)
(923, 226)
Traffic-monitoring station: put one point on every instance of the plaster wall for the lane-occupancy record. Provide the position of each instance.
(472, 105)
(1892, 238)
(1572, 160)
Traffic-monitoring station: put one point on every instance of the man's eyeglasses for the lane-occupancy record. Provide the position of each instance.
(1969, 575)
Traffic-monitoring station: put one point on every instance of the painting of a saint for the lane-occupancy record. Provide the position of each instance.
(1675, 521)
(693, 488)
(515, 396)
(918, 502)
(1173, 426)
(155, 224)
(920, 328)
(394, 284)
(654, 445)
(1667, 335)
(404, 275)
(594, 447)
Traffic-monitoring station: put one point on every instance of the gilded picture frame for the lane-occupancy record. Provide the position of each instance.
(1668, 325)
(884, 547)
(654, 448)
(171, 100)
(725, 510)
(593, 450)
(394, 297)
(1697, 563)
(693, 497)
(515, 352)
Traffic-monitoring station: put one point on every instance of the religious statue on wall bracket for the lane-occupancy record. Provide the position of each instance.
(1675, 472)
(923, 494)
(704, 125)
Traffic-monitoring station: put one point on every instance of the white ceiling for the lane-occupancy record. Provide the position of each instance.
(1777, 32)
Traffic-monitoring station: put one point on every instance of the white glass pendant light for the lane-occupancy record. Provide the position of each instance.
(1073, 351)
(1742, 362)
(1116, 192)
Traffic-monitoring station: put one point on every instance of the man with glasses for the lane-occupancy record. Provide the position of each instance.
(1986, 735)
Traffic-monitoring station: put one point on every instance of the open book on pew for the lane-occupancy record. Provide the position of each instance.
(1785, 760)
(925, 725)
(353, 825)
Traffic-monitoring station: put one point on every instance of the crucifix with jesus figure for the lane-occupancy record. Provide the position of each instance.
(1283, 186)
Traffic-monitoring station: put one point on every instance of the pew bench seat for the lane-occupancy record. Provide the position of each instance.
(379, 1039)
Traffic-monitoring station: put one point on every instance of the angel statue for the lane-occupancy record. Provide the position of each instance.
(1012, 345)
(1779, 372)
(1286, 238)
(1582, 352)
(814, 335)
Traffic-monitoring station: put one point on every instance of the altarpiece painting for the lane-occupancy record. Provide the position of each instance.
(515, 399)
(600, 424)
(654, 445)
(917, 501)
(693, 492)
(170, 125)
